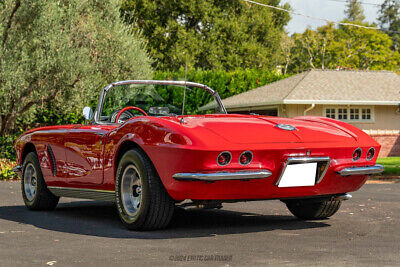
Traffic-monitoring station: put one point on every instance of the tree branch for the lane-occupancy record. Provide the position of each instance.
(5, 36)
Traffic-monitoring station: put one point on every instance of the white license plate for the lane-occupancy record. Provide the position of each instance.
(299, 175)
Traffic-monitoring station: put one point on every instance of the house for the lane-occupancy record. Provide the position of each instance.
(369, 100)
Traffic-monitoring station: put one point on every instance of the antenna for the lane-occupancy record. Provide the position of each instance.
(184, 94)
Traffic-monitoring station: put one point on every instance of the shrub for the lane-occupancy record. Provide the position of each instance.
(226, 83)
(7, 147)
(5, 170)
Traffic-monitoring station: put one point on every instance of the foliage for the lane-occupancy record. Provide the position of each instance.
(389, 20)
(354, 11)
(7, 147)
(391, 164)
(56, 55)
(350, 47)
(56, 116)
(209, 34)
(286, 46)
(226, 83)
(5, 169)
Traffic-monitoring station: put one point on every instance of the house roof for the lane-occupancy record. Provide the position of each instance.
(322, 87)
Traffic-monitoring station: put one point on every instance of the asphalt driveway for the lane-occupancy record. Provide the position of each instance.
(366, 230)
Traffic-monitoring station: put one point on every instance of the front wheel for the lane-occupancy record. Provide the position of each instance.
(141, 199)
(35, 193)
(313, 209)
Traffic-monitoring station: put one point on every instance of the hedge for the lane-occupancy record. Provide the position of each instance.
(225, 83)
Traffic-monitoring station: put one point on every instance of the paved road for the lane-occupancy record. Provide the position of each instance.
(366, 231)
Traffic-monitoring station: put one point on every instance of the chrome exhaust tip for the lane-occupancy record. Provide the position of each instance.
(342, 197)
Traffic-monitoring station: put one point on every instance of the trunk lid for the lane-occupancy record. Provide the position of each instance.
(248, 129)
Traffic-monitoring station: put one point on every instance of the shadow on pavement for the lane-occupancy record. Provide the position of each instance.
(101, 219)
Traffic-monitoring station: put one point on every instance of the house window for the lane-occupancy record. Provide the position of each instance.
(366, 114)
(350, 113)
(342, 113)
(354, 114)
(330, 113)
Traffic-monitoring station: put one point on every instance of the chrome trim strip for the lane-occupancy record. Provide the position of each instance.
(364, 170)
(17, 168)
(95, 194)
(215, 94)
(220, 176)
(298, 160)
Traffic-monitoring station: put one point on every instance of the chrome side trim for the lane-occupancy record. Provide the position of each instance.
(17, 168)
(94, 194)
(52, 160)
(222, 176)
(365, 170)
(299, 160)
(215, 94)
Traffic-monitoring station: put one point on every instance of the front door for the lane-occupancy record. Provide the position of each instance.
(84, 154)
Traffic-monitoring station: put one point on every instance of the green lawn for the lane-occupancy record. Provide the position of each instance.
(392, 165)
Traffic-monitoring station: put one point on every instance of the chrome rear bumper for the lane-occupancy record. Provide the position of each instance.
(365, 170)
(222, 176)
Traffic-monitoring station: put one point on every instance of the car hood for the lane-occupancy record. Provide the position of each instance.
(248, 129)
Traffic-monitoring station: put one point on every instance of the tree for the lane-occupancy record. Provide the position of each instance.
(354, 11)
(287, 45)
(345, 46)
(364, 49)
(389, 20)
(209, 34)
(60, 53)
(312, 48)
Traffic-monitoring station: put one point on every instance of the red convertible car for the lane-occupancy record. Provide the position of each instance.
(139, 150)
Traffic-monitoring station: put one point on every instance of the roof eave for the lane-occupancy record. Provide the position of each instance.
(342, 102)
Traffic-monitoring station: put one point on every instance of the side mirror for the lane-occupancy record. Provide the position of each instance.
(87, 113)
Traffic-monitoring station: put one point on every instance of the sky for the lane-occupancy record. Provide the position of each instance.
(326, 9)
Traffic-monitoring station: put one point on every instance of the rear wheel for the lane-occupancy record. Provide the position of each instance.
(141, 199)
(313, 209)
(35, 193)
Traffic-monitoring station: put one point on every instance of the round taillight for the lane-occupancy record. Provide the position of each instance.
(357, 154)
(245, 158)
(224, 158)
(370, 153)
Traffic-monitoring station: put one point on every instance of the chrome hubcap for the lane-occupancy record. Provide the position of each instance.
(131, 190)
(30, 182)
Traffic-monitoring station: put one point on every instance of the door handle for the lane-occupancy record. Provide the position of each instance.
(99, 134)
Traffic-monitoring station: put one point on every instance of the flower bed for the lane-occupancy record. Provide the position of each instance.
(5, 170)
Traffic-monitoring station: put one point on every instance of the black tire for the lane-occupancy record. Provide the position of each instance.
(156, 206)
(312, 209)
(42, 198)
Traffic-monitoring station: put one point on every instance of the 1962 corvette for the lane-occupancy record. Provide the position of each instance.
(136, 151)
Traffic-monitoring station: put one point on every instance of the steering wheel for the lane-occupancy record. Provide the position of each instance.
(129, 108)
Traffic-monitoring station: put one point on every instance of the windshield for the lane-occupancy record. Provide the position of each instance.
(122, 102)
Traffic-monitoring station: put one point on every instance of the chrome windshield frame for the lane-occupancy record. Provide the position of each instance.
(103, 94)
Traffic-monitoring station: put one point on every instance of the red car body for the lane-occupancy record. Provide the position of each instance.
(147, 164)
(86, 156)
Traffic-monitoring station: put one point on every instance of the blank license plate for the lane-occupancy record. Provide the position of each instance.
(299, 175)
